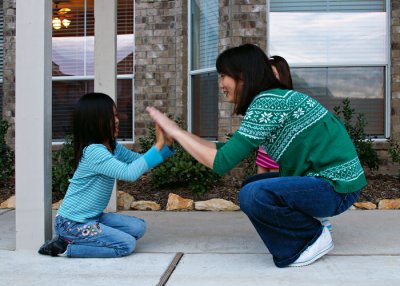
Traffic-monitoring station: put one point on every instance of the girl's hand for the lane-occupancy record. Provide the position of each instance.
(168, 140)
(168, 126)
(160, 138)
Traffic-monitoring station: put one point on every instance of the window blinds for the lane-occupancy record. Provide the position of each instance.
(204, 34)
(327, 6)
(329, 38)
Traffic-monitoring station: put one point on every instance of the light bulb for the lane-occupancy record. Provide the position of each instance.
(66, 22)
(56, 23)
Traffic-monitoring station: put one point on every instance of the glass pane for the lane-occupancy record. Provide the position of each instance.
(364, 86)
(1, 41)
(1, 100)
(65, 96)
(329, 38)
(73, 46)
(327, 5)
(124, 104)
(125, 37)
(205, 105)
(204, 20)
(67, 93)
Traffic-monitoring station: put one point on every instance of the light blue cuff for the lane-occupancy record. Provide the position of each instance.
(153, 157)
(167, 151)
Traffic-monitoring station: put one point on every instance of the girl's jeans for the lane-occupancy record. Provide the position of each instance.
(283, 210)
(109, 235)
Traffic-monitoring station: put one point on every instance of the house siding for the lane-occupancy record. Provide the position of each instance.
(161, 62)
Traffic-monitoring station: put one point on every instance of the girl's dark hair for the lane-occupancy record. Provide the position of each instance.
(250, 64)
(283, 70)
(93, 122)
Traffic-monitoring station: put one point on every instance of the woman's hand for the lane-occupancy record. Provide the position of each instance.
(202, 150)
(168, 140)
(167, 125)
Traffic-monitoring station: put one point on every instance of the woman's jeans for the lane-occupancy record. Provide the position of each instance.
(110, 235)
(283, 210)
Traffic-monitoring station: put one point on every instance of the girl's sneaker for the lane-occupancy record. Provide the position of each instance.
(54, 247)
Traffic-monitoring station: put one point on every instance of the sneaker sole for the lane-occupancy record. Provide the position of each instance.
(319, 255)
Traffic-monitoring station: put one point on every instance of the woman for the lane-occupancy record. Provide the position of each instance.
(320, 173)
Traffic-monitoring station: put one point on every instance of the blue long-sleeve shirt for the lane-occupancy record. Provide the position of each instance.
(91, 186)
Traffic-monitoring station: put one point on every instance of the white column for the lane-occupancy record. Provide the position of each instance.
(105, 57)
(33, 123)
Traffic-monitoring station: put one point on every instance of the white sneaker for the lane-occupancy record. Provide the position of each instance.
(319, 248)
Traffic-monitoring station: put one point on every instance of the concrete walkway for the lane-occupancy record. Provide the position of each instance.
(210, 248)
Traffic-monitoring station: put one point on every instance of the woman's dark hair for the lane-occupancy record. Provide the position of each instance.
(250, 64)
(93, 122)
(283, 70)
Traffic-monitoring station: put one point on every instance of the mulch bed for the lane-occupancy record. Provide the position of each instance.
(379, 187)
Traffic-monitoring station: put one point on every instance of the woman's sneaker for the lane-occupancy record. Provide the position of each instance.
(319, 248)
(54, 247)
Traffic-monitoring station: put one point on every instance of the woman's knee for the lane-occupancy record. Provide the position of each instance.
(256, 199)
(246, 198)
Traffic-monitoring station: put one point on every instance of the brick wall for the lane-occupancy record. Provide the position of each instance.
(9, 69)
(161, 59)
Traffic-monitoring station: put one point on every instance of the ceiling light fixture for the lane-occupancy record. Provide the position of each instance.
(60, 20)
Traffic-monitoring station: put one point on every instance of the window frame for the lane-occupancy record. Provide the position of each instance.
(192, 73)
(387, 67)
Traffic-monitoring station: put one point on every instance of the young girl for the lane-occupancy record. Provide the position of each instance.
(281, 70)
(82, 228)
(320, 173)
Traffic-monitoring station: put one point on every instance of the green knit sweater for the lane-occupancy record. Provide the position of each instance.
(298, 133)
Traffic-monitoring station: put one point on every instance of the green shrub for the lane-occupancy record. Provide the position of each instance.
(6, 155)
(179, 170)
(355, 127)
(394, 150)
(63, 167)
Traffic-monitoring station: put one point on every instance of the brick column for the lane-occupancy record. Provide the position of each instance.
(240, 22)
(160, 59)
(395, 58)
(9, 69)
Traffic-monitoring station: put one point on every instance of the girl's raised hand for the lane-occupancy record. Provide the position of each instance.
(160, 138)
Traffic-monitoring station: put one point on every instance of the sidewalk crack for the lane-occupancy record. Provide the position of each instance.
(171, 267)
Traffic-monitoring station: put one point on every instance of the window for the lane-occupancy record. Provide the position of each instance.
(73, 63)
(1, 59)
(336, 49)
(203, 83)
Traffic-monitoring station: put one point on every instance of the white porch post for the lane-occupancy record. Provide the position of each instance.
(33, 123)
(105, 57)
